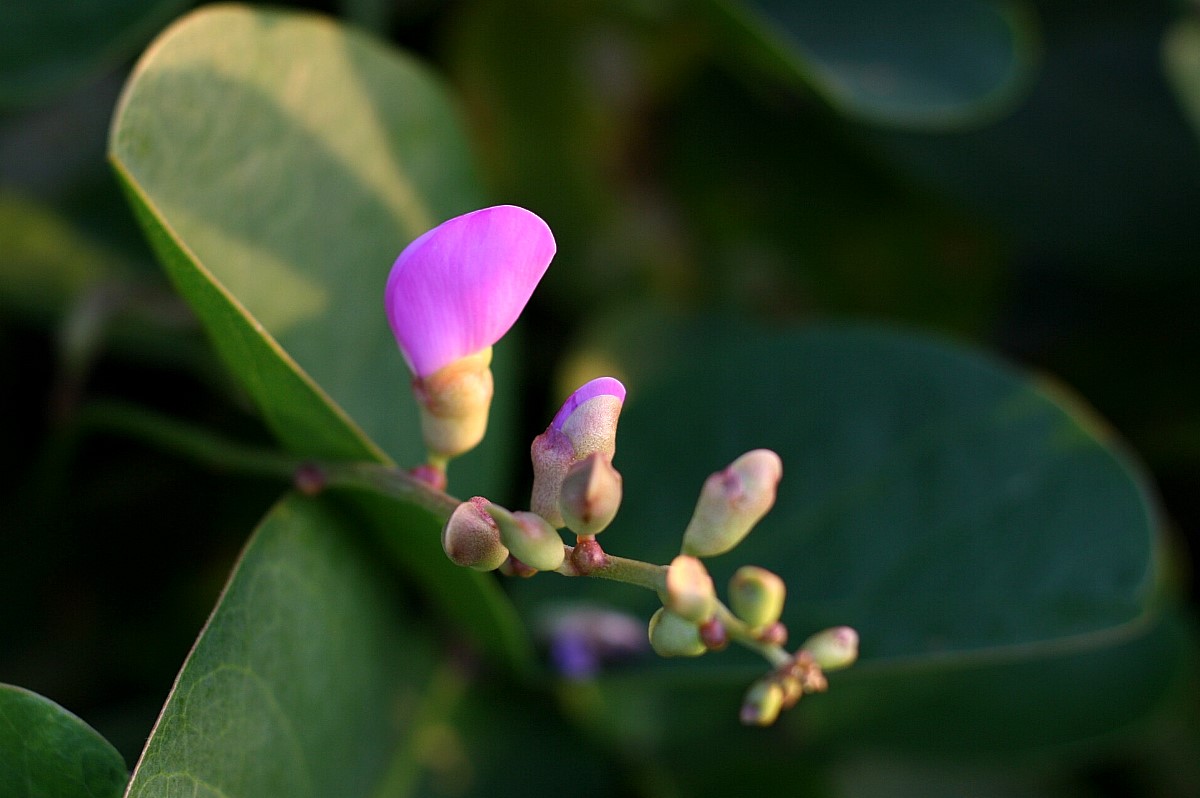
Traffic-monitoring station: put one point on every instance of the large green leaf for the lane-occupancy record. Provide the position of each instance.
(46, 752)
(930, 64)
(278, 163)
(954, 511)
(307, 679)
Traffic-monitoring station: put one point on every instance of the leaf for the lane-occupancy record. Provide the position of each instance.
(955, 512)
(933, 64)
(46, 752)
(1181, 63)
(306, 681)
(42, 54)
(278, 163)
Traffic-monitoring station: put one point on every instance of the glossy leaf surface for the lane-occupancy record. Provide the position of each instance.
(46, 752)
(930, 64)
(306, 680)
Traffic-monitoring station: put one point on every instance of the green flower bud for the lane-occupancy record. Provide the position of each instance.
(454, 403)
(673, 636)
(690, 593)
(756, 596)
(471, 538)
(762, 703)
(732, 502)
(833, 648)
(529, 537)
(590, 495)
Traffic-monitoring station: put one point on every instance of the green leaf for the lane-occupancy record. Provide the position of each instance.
(1181, 63)
(307, 679)
(278, 163)
(954, 511)
(932, 64)
(46, 752)
(44, 53)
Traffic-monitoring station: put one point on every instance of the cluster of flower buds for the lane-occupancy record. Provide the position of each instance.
(803, 673)
(575, 486)
(452, 293)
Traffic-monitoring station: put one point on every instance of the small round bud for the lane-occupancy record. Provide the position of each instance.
(756, 596)
(310, 479)
(529, 538)
(713, 634)
(590, 495)
(690, 593)
(833, 648)
(775, 634)
(471, 538)
(454, 403)
(762, 703)
(732, 502)
(587, 556)
(673, 636)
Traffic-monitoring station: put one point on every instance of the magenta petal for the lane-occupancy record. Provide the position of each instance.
(601, 386)
(458, 288)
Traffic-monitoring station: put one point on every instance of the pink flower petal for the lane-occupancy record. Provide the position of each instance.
(601, 386)
(459, 287)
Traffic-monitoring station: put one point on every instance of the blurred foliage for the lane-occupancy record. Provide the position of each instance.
(1013, 177)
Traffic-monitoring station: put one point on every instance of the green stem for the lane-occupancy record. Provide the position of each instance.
(204, 447)
(622, 569)
(740, 632)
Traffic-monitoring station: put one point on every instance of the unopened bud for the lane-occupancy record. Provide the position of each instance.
(833, 648)
(552, 455)
(454, 403)
(713, 634)
(587, 556)
(673, 636)
(756, 596)
(690, 593)
(775, 634)
(530, 539)
(762, 703)
(590, 496)
(586, 424)
(732, 502)
(471, 538)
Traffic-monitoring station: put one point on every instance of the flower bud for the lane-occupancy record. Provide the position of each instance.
(756, 596)
(673, 636)
(690, 593)
(552, 455)
(472, 539)
(589, 417)
(762, 703)
(833, 648)
(732, 502)
(590, 495)
(585, 424)
(529, 537)
(454, 403)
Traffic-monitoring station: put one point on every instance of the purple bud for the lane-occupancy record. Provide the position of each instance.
(458, 288)
(586, 424)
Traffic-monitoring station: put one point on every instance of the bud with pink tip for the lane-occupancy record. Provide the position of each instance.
(732, 502)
